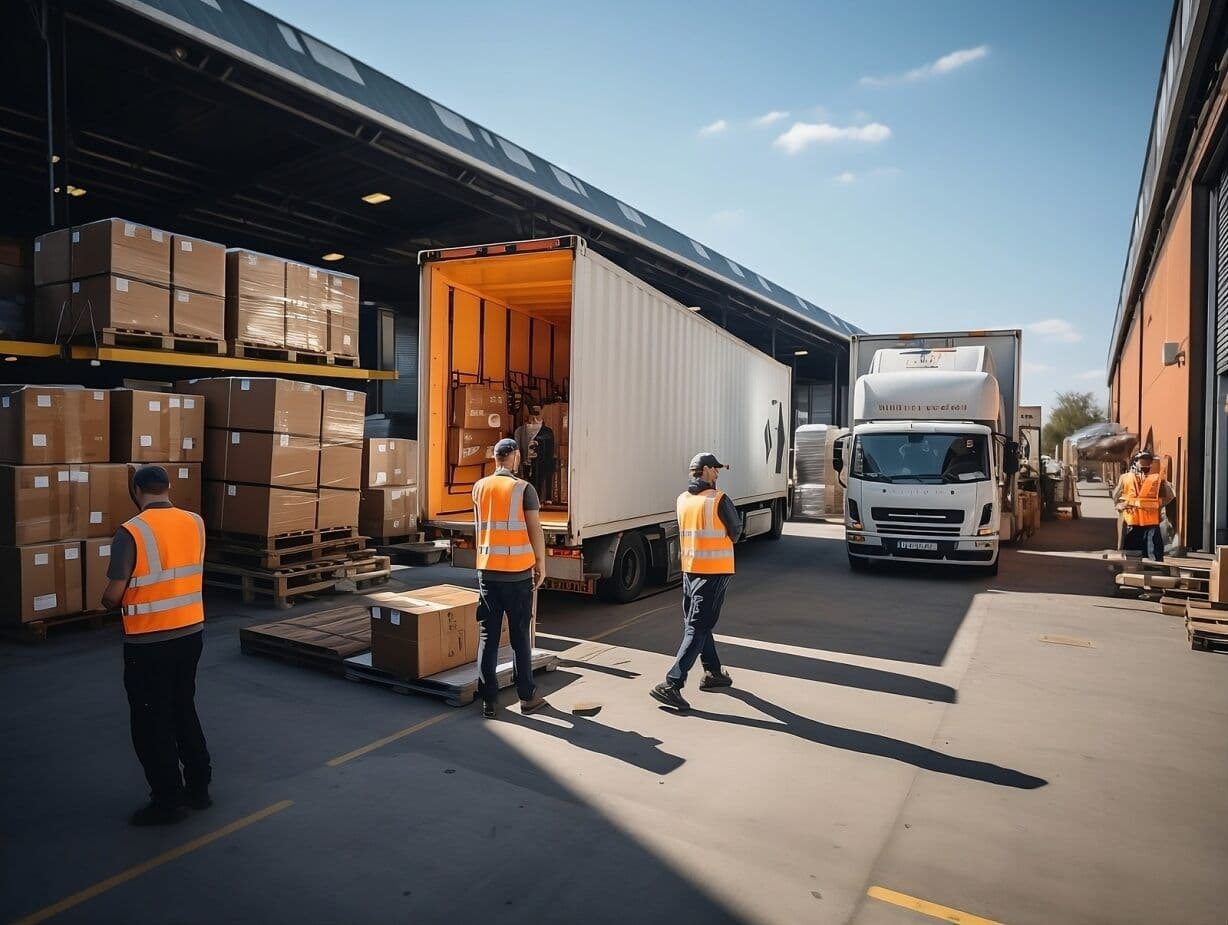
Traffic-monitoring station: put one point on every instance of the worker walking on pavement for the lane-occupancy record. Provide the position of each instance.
(157, 565)
(1140, 496)
(708, 526)
(511, 564)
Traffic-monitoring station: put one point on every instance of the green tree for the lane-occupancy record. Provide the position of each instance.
(1071, 411)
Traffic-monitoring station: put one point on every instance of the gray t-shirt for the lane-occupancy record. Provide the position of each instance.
(123, 561)
(531, 503)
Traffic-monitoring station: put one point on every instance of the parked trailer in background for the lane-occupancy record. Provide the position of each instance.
(649, 384)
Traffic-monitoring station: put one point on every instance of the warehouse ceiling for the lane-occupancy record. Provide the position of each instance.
(163, 128)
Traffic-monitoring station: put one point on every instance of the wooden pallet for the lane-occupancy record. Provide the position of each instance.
(322, 640)
(338, 359)
(184, 343)
(1173, 606)
(296, 539)
(457, 686)
(1206, 625)
(285, 585)
(1175, 584)
(224, 551)
(245, 350)
(38, 630)
(365, 574)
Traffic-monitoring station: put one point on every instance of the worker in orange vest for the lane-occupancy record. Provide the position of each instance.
(1140, 496)
(157, 564)
(708, 526)
(511, 565)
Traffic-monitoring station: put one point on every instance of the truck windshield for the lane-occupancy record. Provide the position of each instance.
(927, 459)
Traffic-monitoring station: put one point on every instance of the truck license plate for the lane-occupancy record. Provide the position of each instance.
(918, 545)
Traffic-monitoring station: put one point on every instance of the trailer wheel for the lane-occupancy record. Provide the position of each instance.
(778, 520)
(630, 570)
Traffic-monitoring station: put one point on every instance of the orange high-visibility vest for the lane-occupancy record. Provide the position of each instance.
(164, 592)
(705, 547)
(502, 534)
(1142, 497)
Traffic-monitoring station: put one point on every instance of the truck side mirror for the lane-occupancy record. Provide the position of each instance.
(837, 456)
(1010, 462)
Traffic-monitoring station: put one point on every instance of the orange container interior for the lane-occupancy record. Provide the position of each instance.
(502, 320)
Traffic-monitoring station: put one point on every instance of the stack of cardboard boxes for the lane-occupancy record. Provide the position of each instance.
(198, 288)
(267, 471)
(389, 505)
(159, 429)
(479, 419)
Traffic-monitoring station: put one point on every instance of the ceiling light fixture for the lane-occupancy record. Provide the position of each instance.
(693, 308)
(376, 198)
(75, 190)
(55, 158)
(801, 353)
(333, 256)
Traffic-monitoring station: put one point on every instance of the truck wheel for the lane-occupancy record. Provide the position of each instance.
(858, 564)
(778, 520)
(630, 570)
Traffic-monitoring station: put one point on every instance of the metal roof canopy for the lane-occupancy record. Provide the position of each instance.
(260, 41)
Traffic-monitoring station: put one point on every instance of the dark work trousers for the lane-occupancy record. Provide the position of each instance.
(702, 599)
(514, 598)
(160, 678)
(1147, 540)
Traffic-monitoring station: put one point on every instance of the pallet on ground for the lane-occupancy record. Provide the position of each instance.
(1206, 625)
(1173, 606)
(38, 630)
(1153, 581)
(321, 640)
(151, 340)
(457, 686)
(257, 555)
(285, 541)
(284, 585)
(364, 574)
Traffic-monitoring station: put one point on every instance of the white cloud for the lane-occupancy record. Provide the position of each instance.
(846, 178)
(1058, 329)
(769, 118)
(728, 218)
(1037, 369)
(804, 134)
(1096, 375)
(944, 65)
(716, 128)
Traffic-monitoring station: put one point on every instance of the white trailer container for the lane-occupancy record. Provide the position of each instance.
(932, 459)
(649, 384)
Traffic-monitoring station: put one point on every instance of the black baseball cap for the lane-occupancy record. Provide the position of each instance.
(506, 447)
(707, 459)
(151, 478)
(1145, 454)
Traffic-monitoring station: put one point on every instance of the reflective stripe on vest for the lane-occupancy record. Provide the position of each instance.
(704, 548)
(501, 534)
(164, 592)
(1142, 499)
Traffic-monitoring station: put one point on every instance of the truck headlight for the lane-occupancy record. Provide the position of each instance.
(986, 513)
(854, 514)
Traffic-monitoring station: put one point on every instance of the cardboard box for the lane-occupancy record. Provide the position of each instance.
(479, 407)
(255, 298)
(53, 313)
(199, 266)
(95, 560)
(278, 406)
(388, 512)
(52, 260)
(41, 581)
(157, 426)
(48, 424)
(258, 510)
(306, 308)
(338, 508)
(415, 634)
(341, 466)
(468, 446)
(389, 461)
(342, 414)
(196, 314)
(101, 500)
(341, 304)
(554, 416)
(1218, 590)
(119, 302)
(262, 458)
(124, 249)
(36, 504)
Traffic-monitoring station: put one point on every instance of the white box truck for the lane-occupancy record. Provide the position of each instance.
(932, 457)
(648, 384)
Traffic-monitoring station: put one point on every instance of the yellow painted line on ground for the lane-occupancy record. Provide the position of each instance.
(133, 872)
(946, 913)
(380, 743)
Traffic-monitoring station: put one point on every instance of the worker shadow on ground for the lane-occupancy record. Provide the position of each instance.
(868, 743)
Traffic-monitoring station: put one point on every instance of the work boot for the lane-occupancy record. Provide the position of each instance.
(197, 799)
(532, 706)
(158, 814)
(670, 696)
(489, 708)
(715, 679)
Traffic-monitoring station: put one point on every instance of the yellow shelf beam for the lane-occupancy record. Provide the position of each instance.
(25, 348)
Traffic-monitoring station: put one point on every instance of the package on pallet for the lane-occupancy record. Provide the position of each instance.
(306, 308)
(95, 560)
(36, 504)
(389, 461)
(341, 466)
(157, 426)
(388, 512)
(341, 305)
(480, 407)
(468, 446)
(255, 298)
(342, 414)
(118, 302)
(198, 314)
(337, 508)
(42, 580)
(49, 424)
(198, 266)
(186, 485)
(279, 406)
(101, 500)
(120, 248)
(258, 510)
(52, 257)
(52, 320)
(415, 634)
(262, 458)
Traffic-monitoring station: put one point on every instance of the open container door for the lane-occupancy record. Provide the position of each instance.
(497, 315)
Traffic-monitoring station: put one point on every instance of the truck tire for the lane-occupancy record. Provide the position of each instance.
(778, 519)
(858, 564)
(629, 573)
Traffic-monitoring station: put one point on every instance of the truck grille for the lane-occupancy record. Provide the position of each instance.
(919, 530)
(916, 515)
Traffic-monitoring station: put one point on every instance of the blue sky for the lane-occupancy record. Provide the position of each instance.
(941, 164)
